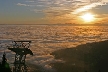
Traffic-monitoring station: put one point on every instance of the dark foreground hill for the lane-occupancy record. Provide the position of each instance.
(90, 57)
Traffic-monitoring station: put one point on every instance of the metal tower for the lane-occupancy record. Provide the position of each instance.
(21, 48)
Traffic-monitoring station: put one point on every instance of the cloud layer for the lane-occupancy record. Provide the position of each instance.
(62, 8)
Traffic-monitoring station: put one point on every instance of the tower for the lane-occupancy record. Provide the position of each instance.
(21, 48)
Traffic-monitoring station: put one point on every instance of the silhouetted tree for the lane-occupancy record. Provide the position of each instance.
(4, 66)
(99, 71)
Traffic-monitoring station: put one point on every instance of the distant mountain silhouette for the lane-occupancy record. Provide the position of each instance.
(90, 57)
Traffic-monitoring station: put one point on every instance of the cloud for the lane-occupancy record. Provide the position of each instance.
(37, 10)
(30, 1)
(20, 4)
(55, 8)
(102, 20)
(66, 6)
(86, 7)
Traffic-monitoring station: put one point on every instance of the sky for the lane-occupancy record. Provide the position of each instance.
(52, 11)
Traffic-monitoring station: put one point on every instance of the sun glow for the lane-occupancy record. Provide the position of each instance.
(88, 17)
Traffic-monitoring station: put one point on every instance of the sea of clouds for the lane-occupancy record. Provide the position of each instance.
(47, 39)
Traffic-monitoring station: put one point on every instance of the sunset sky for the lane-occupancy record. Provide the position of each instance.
(52, 11)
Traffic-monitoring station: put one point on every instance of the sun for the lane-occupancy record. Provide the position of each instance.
(88, 17)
